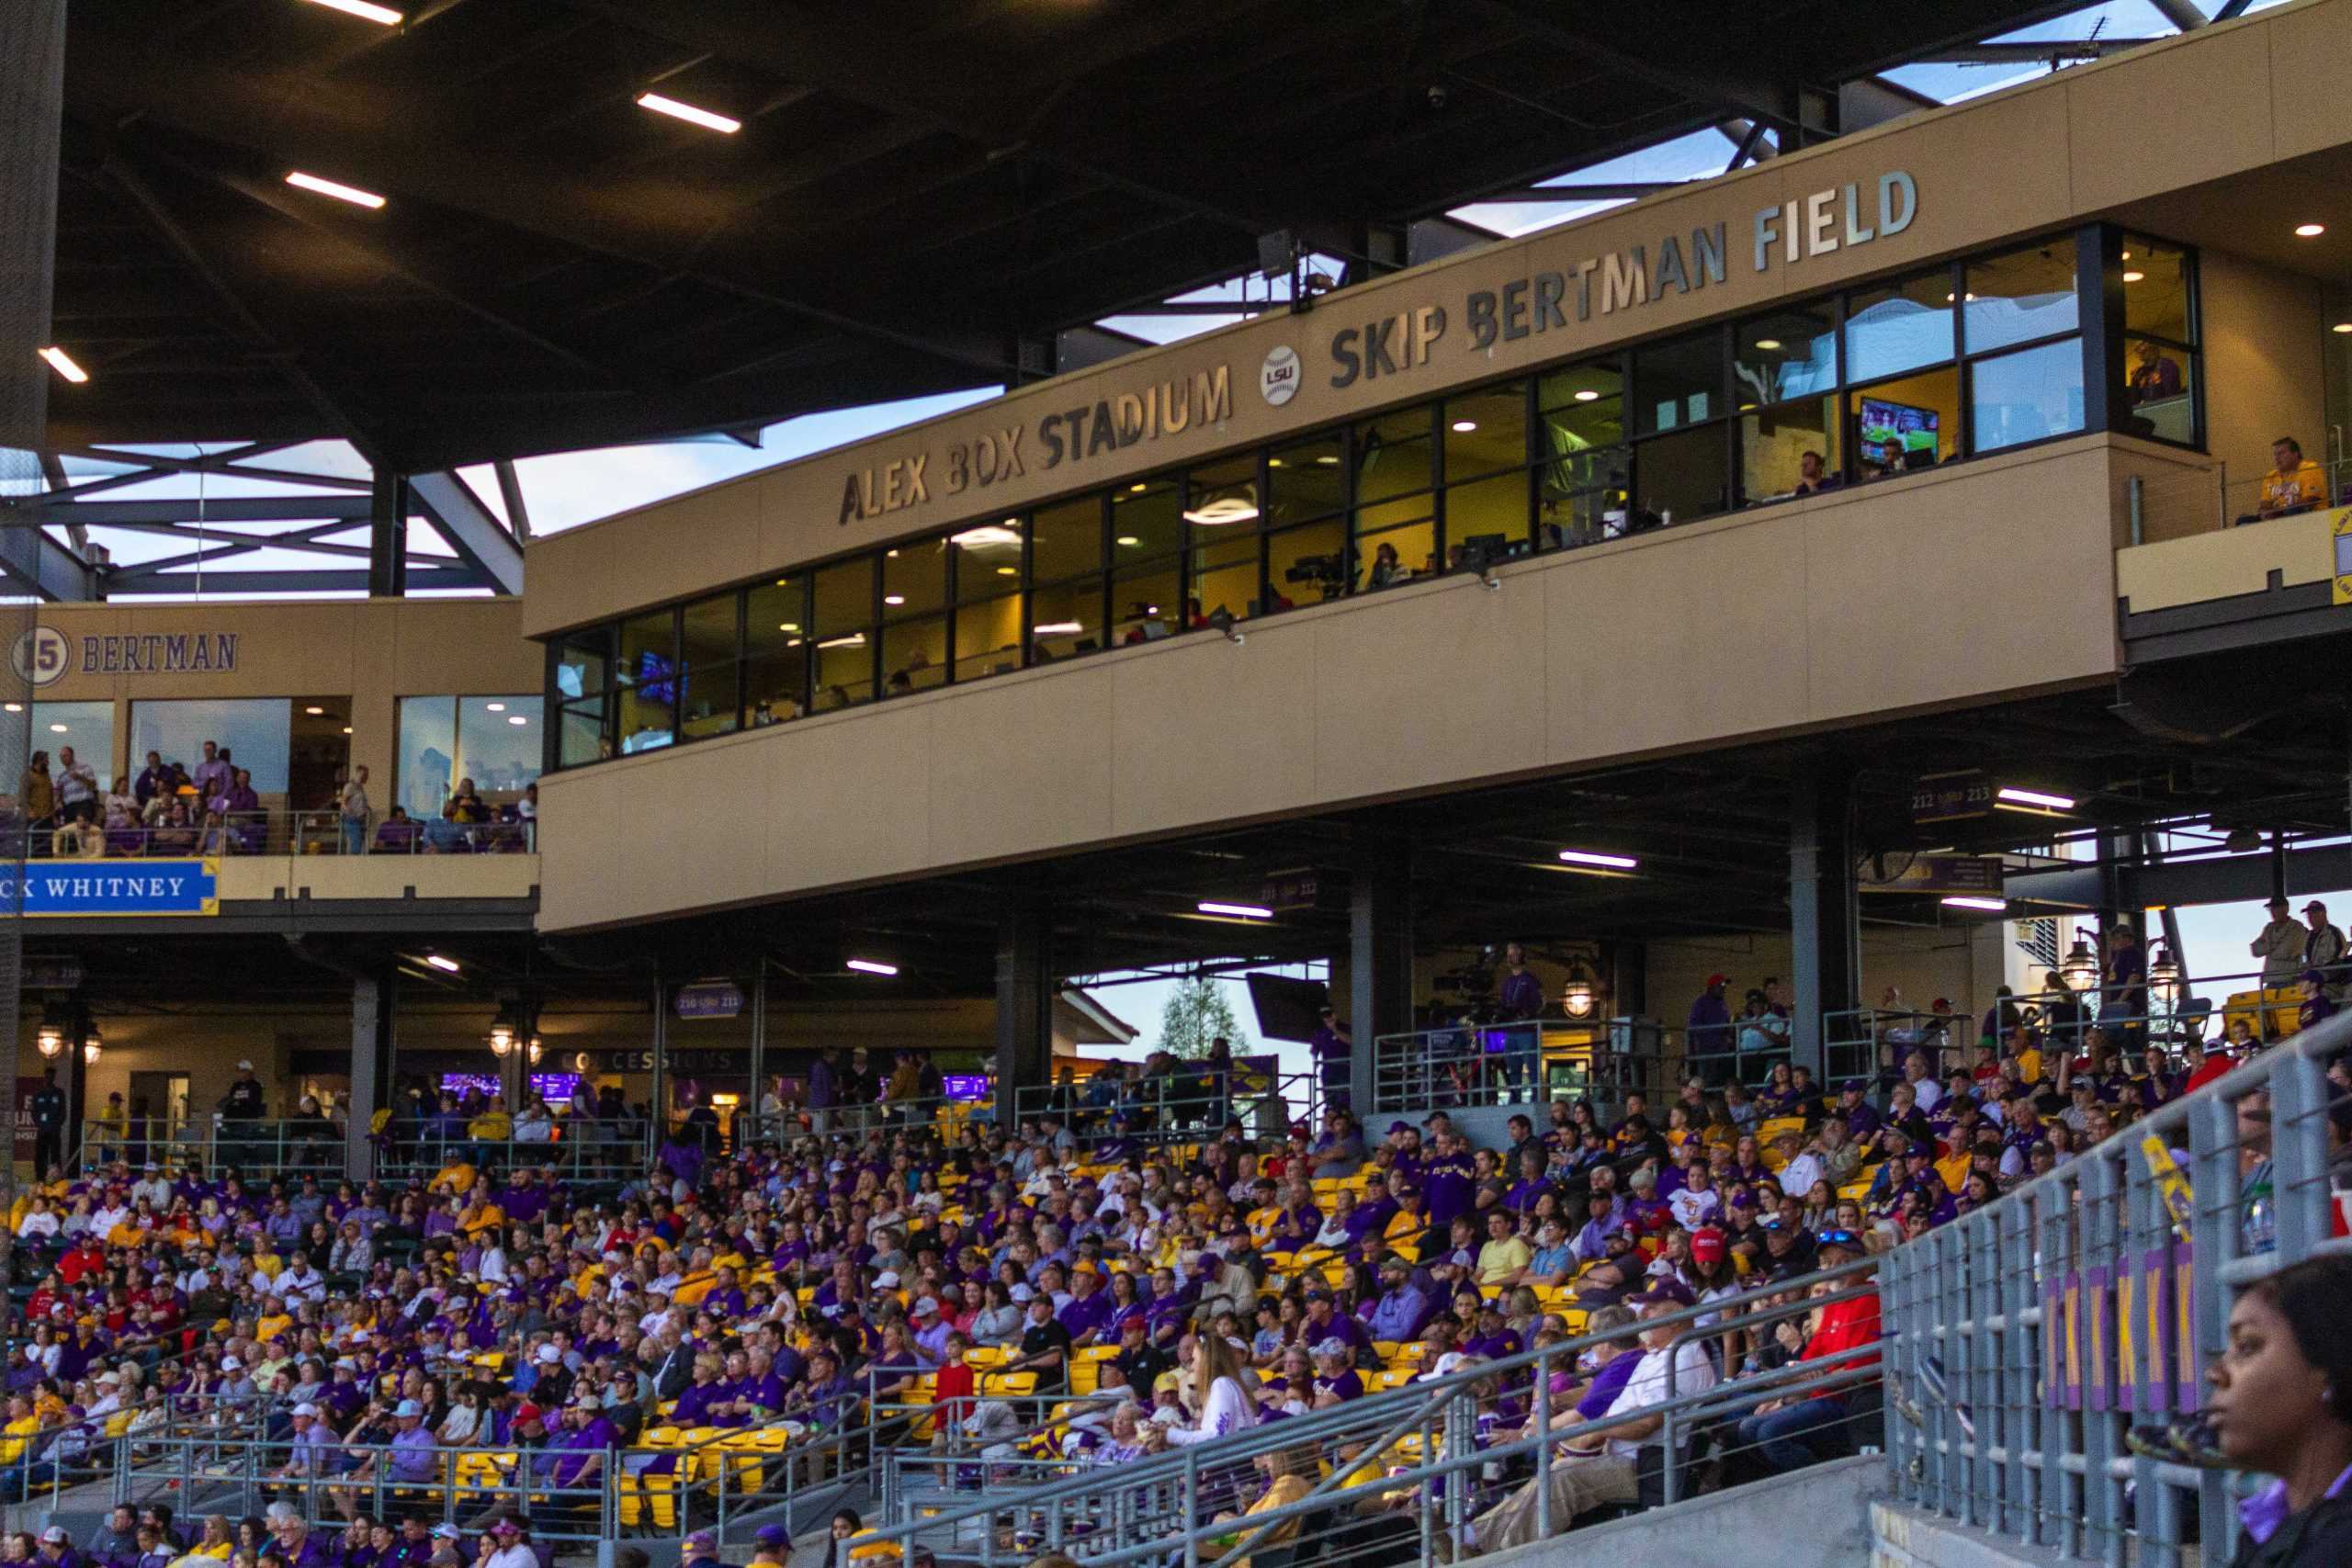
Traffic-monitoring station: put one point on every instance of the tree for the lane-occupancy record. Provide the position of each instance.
(1197, 1014)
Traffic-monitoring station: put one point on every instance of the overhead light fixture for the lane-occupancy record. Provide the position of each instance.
(2341, 327)
(1129, 541)
(62, 362)
(502, 1039)
(1138, 488)
(1587, 395)
(894, 599)
(1581, 994)
(449, 966)
(2164, 973)
(495, 708)
(871, 966)
(2243, 840)
(1235, 911)
(1056, 628)
(1594, 857)
(1327, 460)
(315, 712)
(1224, 510)
(1768, 344)
(2042, 798)
(534, 1051)
(1008, 572)
(346, 730)
(2080, 970)
(2310, 230)
(57, 729)
(382, 16)
(987, 536)
(2127, 255)
(725, 125)
(516, 718)
(788, 625)
(14, 708)
(1464, 426)
(2133, 276)
(50, 1040)
(854, 640)
(91, 1048)
(351, 193)
(1970, 901)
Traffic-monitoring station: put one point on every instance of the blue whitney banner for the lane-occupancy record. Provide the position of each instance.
(115, 888)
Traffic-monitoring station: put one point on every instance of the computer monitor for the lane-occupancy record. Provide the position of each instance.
(1890, 432)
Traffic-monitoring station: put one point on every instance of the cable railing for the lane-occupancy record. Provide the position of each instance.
(279, 832)
(297, 1145)
(568, 1148)
(1475, 1459)
(1523, 1064)
(2173, 505)
(1187, 1103)
(2034, 1341)
(946, 1114)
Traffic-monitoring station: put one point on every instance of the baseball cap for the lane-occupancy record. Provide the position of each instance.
(53, 1534)
(408, 1407)
(1400, 1126)
(1665, 1292)
(244, 1066)
(1334, 1346)
(2314, 904)
(1707, 1244)
(1165, 1382)
(446, 1533)
(549, 1353)
(1714, 980)
(307, 1408)
(929, 1306)
(772, 1535)
(1023, 1294)
(886, 1280)
(230, 1364)
(1447, 1365)
(1852, 1086)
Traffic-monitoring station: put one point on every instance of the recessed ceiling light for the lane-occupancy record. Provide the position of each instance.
(315, 712)
(1327, 460)
(723, 124)
(1464, 426)
(2133, 276)
(1273, 462)
(438, 961)
(1056, 628)
(62, 362)
(12, 707)
(2342, 327)
(2310, 230)
(1594, 857)
(346, 730)
(894, 599)
(1222, 511)
(1588, 396)
(383, 16)
(1129, 540)
(854, 640)
(517, 719)
(496, 707)
(1137, 489)
(1964, 901)
(351, 193)
(1238, 911)
(57, 729)
(2036, 797)
(1768, 344)
(872, 966)
(988, 535)
(2127, 255)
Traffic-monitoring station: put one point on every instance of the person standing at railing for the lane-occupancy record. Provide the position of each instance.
(352, 811)
(2281, 1404)
(2323, 951)
(2280, 946)
(1707, 1029)
(1333, 1052)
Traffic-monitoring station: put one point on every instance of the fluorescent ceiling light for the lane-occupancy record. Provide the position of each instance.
(1464, 426)
(1008, 572)
(1963, 901)
(516, 718)
(1238, 911)
(2310, 230)
(1768, 344)
(383, 16)
(1587, 395)
(13, 707)
(1056, 628)
(1327, 460)
(351, 193)
(2036, 797)
(687, 112)
(987, 535)
(1593, 857)
(438, 961)
(868, 966)
(62, 362)
(1131, 542)
(854, 640)
(2342, 327)
(57, 729)
(497, 707)
(894, 599)
(2133, 276)
(315, 713)
(1224, 510)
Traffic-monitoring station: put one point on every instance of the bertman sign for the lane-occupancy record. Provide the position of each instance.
(45, 654)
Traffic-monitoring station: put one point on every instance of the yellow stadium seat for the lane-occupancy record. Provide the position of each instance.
(1085, 1377)
(1007, 1385)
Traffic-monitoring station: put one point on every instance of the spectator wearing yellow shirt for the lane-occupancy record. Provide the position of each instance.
(479, 1215)
(1503, 1261)
(19, 1432)
(2293, 484)
(457, 1177)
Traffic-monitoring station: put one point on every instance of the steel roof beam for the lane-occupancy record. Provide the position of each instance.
(479, 539)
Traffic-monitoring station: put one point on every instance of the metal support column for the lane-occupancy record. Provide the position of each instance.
(1825, 914)
(759, 1052)
(658, 1104)
(1025, 1006)
(1380, 960)
(388, 537)
(371, 1070)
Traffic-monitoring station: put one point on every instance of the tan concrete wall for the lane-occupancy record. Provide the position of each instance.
(372, 652)
(2222, 564)
(1779, 619)
(378, 876)
(2264, 337)
(2080, 144)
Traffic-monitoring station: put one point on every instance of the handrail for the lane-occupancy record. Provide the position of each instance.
(280, 832)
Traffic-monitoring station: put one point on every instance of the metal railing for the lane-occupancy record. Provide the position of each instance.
(1186, 1103)
(573, 1149)
(945, 1115)
(1421, 1470)
(280, 832)
(294, 1146)
(1529, 1062)
(2031, 1336)
(2173, 506)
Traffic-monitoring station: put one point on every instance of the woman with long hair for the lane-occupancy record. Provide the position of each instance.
(1220, 1402)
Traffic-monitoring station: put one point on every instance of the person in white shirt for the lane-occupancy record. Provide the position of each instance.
(1926, 1092)
(107, 1218)
(39, 1222)
(298, 1282)
(1599, 1469)
(153, 1187)
(1800, 1168)
(1698, 1203)
(1221, 1404)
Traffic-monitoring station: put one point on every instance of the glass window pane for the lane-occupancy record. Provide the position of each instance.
(582, 737)
(776, 685)
(1581, 477)
(1068, 619)
(1485, 432)
(1775, 443)
(498, 745)
(1680, 477)
(844, 596)
(988, 558)
(1678, 383)
(914, 579)
(2160, 390)
(1903, 426)
(1069, 539)
(1587, 398)
(1897, 327)
(844, 672)
(647, 677)
(254, 733)
(1786, 354)
(2021, 296)
(1485, 508)
(1225, 573)
(1308, 479)
(425, 765)
(1223, 496)
(711, 679)
(775, 617)
(2157, 300)
(88, 728)
(2027, 395)
(1147, 521)
(988, 637)
(1392, 455)
(1414, 545)
(582, 663)
(1147, 600)
(1308, 565)
(914, 656)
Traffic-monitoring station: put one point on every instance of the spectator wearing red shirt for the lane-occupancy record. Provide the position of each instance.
(1791, 1434)
(2204, 1066)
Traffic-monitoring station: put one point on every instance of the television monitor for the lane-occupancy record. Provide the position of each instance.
(1288, 1009)
(1892, 431)
(965, 1086)
(656, 679)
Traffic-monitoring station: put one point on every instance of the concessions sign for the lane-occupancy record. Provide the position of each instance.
(62, 887)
